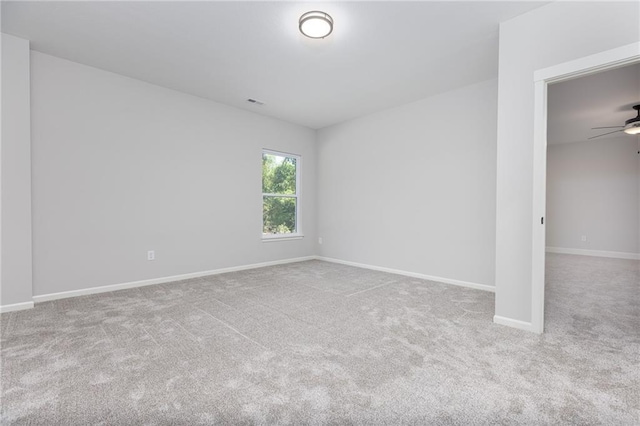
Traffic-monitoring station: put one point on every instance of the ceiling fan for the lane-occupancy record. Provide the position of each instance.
(631, 126)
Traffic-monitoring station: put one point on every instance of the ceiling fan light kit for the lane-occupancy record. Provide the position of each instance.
(632, 129)
(631, 126)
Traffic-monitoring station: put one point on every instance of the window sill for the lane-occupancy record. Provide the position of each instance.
(281, 237)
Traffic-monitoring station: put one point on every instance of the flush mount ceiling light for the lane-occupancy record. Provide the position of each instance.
(316, 24)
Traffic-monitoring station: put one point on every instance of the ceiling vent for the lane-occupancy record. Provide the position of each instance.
(255, 101)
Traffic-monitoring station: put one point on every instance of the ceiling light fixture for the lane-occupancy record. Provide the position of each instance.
(316, 24)
(632, 126)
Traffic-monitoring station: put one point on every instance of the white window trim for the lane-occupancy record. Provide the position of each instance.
(298, 196)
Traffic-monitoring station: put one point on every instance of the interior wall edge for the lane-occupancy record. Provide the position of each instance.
(162, 280)
(16, 307)
(174, 278)
(594, 253)
(16, 277)
(514, 323)
(476, 286)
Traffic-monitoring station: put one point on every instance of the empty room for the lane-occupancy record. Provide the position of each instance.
(320, 212)
(593, 203)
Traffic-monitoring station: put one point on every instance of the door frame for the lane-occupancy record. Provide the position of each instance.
(610, 59)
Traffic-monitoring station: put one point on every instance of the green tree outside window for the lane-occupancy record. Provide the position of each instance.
(279, 193)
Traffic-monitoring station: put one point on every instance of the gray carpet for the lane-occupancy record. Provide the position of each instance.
(320, 343)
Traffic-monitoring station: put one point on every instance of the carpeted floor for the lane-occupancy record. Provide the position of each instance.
(320, 343)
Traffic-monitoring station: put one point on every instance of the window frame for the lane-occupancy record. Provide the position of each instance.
(298, 218)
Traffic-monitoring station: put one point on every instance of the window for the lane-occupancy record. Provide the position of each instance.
(280, 195)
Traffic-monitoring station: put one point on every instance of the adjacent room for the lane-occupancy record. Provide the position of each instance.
(593, 205)
(319, 213)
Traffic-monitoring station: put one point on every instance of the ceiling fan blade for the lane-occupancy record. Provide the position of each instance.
(605, 134)
(610, 127)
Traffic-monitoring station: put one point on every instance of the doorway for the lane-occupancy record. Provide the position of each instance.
(616, 58)
(592, 204)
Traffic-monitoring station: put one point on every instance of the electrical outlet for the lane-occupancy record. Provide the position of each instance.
(151, 255)
(320, 240)
(584, 238)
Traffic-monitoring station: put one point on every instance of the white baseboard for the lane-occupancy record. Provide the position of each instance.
(16, 307)
(411, 274)
(595, 253)
(509, 322)
(161, 280)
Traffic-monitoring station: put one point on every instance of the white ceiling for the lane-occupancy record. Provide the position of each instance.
(597, 100)
(380, 55)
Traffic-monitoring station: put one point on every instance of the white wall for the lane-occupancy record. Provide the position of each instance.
(121, 167)
(547, 36)
(413, 188)
(592, 190)
(15, 287)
